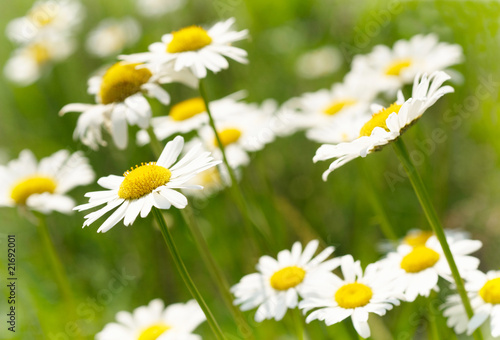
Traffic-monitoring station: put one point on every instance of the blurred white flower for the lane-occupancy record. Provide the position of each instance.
(155, 321)
(156, 8)
(389, 69)
(51, 17)
(42, 186)
(111, 36)
(28, 62)
(318, 63)
(195, 49)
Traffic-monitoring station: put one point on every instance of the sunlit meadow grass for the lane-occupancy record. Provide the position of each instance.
(455, 149)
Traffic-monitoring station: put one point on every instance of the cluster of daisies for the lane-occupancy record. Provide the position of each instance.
(349, 119)
(298, 279)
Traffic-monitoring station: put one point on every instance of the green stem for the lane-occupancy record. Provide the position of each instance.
(433, 332)
(185, 275)
(299, 324)
(215, 271)
(235, 190)
(433, 219)
(57, 268)
(154, 142)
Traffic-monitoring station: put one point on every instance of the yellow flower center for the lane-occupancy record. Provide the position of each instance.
(42, 15)
(187, 109)
(190, 38)
(418, 238)
(378, 120)
(121, 81)
(337, 105)
(353, 295)
(418, 259)
(287, 277)
(143, 180)
(395, 68)
(32, 185)
(153, 332)
(491, 291)
(39, 53)
(228, 136)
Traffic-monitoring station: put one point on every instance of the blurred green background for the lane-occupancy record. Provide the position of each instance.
(461, 172)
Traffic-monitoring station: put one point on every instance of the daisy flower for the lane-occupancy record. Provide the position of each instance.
(156, 8)
(419, 267)
(148, 185)
(279, 283)
(356, 295)
(154, 321)
(387, 124)
(390, 69)
(319, 63)
(111, 36)
(28, 62)
(190, 115)
(484, 293)
(43, 186)
(48, 18)
(120, 101)
(196, 49)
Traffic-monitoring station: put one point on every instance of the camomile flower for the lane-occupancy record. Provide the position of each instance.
(149, 185)
(277, 285)
(240, 133)
(484, 293)
(318, 63)
(196, 49)
(390, 69)
(28, 62)
(419, 267)
(356, 295)
(156, 8)
(48, 18)
(120, 101)
(111, 36)
(43, 186)
(190, 114)
(155, 322)
(387, 124)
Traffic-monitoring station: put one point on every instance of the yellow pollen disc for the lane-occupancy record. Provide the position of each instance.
(143, 180)
(353, 295)
(187, 109)
(418, 238)
(228, 136)
(39, 53)
(32, 185)
(378, 120)
(121, 81)
(190, 38)
(491, 291)
(395, 68)
(418, 259)
(153, 332)
(287, 277)
(337, 105)
(42, 15)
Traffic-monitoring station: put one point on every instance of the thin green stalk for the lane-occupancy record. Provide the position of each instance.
(433, 331)
(154, 142)
(375, 200)
(433, 219)
(215, 271)
(185, 275)
(299, 324)
(235, 190)
(57, 268)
